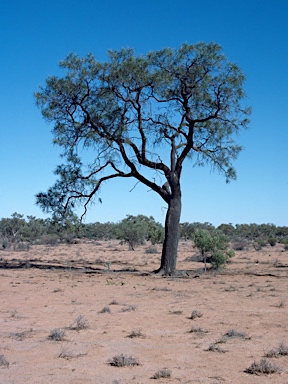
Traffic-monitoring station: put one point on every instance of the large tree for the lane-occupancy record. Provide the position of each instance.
(136, 114)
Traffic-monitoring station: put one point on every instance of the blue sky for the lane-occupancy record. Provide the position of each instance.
(36, 35)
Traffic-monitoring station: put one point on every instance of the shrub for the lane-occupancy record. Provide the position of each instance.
(264, 367)
(195, 314)
(123, 361)
(79, 323)
(282, 350)
(57, 335)
(216, 348)
(3, 361)
(199, 331)
(129, 308)
(105, 310)
(162, 374)
(272, 241)
(151, 250)
(213, 247)
(136, 333)
(233, 333)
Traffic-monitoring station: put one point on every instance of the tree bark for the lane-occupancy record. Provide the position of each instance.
(170, 245)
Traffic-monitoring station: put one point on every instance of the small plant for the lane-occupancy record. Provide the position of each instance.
(233, 333)
(258, 244)
(282, 350)
(162, 374)
(57, 335)
(215, 348)
(198, 331)
(79, 323)
(282, 303)
(3, 361)
(151, 250)
(137, 333)
(264, 367)
(129, 308)
(108, 264)
(65, 353)
(195, 314)
(105, 310)
(272, 241)
(176, 312)
(114, 302)
(123, 361)
(15, 314)
(68, 354)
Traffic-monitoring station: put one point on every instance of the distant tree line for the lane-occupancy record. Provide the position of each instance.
(18, 232)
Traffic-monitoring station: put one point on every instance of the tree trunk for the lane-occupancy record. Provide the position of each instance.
(170, 245)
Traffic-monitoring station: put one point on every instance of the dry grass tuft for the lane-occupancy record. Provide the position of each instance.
(3, 361)
(105, 310)
(79, 323)
(137, 333)
(282, 350)
(195, 314)
(162, 374)
(129, 308)
(264, 367)
(57, 335)
(198, 331)
(233, 333)
(123, 361)
(215, 348)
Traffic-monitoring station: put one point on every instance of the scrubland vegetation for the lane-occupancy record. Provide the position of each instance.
(216, 245)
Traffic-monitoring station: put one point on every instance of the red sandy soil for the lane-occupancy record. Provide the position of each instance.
(56, 285)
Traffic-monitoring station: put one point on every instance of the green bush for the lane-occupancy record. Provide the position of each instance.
(272, 241)
(213, 247)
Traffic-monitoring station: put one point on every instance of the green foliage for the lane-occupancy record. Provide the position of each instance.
(213, 247)
(272, 241)
(119, 113)
(187, 230)
(135, 230)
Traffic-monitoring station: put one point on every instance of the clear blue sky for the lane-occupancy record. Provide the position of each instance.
(36, 34)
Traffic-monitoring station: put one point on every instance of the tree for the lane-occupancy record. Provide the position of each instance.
(213, 247)
(135, 230)
(11, 229)
(135, 116)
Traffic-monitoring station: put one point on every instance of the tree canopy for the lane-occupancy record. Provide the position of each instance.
(123, 114)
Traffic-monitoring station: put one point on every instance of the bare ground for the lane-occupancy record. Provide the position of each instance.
(126, 310)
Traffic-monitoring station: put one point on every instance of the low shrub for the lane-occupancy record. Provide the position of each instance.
(79, 323)
(57, 335)
(272, 241)
(162, 374)
(264, 367)
(123, 361)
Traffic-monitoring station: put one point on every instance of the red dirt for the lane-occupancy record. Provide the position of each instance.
(58, 284)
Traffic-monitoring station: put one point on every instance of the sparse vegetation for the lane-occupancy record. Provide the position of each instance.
(215, 348)
(264, 367)
(129, 308)
(3, 361)
(282, 350)
(136, 333)
(213, 247)
(123, 361)
(162, 374)
(79, 323)
(195, 314)
(233, 333)
(198, 331)
(57, 335)
(105, 310)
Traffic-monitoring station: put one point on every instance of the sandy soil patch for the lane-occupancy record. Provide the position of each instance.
(68, 312)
